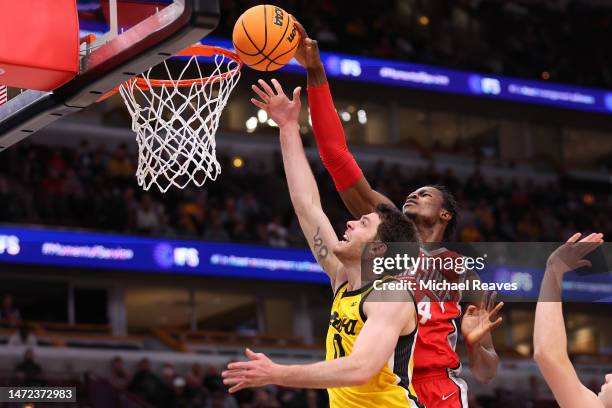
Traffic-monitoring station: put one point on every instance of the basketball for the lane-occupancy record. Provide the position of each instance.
(266, 37)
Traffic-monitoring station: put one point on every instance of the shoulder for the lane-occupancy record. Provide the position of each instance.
(390, 290)
(388, 296)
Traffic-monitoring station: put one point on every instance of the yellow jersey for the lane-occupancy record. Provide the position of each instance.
(391, 387)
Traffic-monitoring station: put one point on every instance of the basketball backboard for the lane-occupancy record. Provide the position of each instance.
(132, 36)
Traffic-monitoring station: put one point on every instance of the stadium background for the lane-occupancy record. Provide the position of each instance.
(521, 172)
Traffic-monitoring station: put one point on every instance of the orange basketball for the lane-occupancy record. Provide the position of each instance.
(265, 37)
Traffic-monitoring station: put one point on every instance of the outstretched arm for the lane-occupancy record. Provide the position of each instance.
(549, 337)
(302, 185)
(374, 346)
(354, 189)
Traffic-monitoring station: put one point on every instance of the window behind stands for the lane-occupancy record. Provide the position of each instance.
(90, 305)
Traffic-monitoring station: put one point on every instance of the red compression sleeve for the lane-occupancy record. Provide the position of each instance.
(331, 142)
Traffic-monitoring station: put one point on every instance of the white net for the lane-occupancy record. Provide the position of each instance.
(175, 122)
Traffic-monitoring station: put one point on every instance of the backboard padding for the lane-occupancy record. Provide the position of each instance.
(148, 43)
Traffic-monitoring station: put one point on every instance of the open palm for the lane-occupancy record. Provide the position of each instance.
(478, 321)
(279, 107)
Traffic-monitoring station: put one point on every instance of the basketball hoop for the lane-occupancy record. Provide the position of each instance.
(176, 119)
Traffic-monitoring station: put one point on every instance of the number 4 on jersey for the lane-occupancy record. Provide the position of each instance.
(424, 310)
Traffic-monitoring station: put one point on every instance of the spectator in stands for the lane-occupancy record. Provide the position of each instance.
(119, 166)
(6, 200)
(145, 383)
(245, 398)
(277, 233)
(181, 396)
(216, 232)
(194, 380)
(291, 397)
(168, 375)
(219, 397)
(266, 398)
(491, 209)
(56, 161)
(147, 216)
(23, 337)
(9, 312)
(195, 376)
(119, 376)
(28, 371)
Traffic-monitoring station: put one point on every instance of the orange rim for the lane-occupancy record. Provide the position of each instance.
(193, 51)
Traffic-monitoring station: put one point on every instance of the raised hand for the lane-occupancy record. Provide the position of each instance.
(478, 321)
(281, 109)
(307, 53)
(569, 256)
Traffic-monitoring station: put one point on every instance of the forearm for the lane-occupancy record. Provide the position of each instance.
(483, 362)
(316, 75)
(300, 179)
(330, 139)
(549, 337)
(361, 199)
(340, 372)
(550, 348)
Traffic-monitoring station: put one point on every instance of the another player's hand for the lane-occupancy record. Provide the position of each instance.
(257, 372)
(307, 53)
(478, 321)
(569, 256)
(281, 109)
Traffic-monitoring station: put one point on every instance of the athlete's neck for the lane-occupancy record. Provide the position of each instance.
(352, 272)
(430, 233)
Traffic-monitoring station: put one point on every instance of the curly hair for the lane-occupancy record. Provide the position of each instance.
(394, 225)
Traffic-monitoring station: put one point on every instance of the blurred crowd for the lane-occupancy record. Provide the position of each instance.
(168, 386)
(561, 40)
(202, 387)
(93, 188)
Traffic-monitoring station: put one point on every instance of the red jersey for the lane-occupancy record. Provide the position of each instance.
(438, 312)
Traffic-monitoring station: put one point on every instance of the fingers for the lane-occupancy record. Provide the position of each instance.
(238, 387)
(314, 44)
(595, 237)
(278, 87)
(494, 325)
(233, 380)
(471, 310)
(241, 365)
(254, 356)
(236, 378)
(590, 243)
(250, 354)
(483, 301)
(584, 263)
(266, 87)
(300, 29)
(264, 96)
(296, 93)
(496, 310)
(574, 237)
(259, 103)
(491, 303)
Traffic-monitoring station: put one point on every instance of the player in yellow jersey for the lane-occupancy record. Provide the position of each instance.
(369, 343)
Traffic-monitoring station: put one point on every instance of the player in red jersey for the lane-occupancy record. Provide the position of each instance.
(433, 210)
